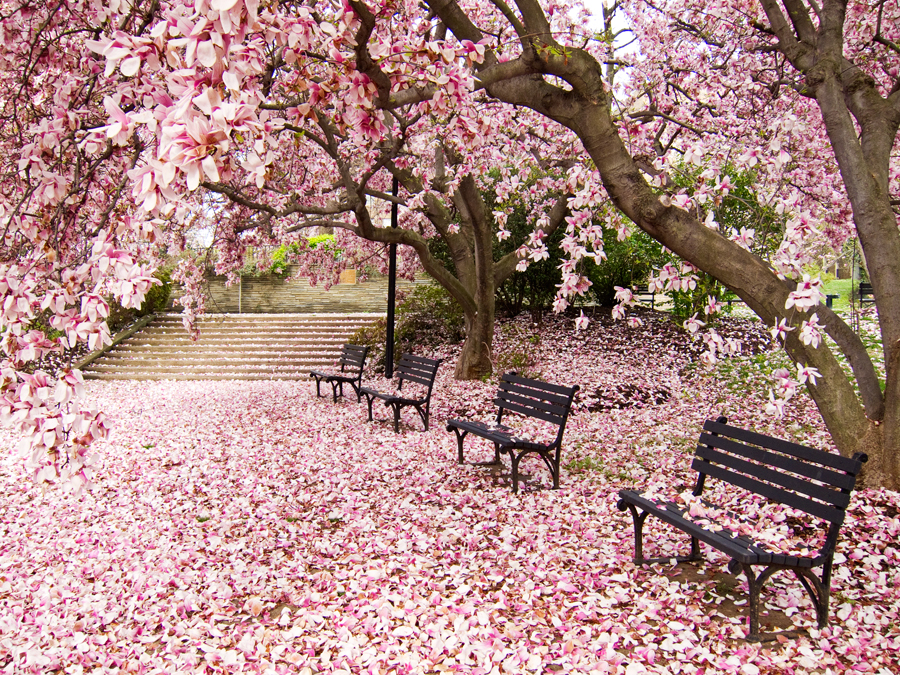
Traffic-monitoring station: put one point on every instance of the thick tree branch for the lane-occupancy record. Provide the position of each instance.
(364, 62)
(799, 54)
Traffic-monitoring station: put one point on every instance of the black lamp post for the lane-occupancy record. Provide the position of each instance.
(392, 287)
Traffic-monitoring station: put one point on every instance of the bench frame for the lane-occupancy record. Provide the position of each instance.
(866, 293)
(417, 369)
(352, 361)
(531, 398)
(778, 470)
(641, 291)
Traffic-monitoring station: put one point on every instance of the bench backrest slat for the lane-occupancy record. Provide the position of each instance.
(530, 410)
(549, 403)
(520, 392)
(563, 392)
(803, 452)
(840, 480)
(418, 369)
(535, 398)
(800, 477)
(353, 357)
(791, 484)
(776, 494)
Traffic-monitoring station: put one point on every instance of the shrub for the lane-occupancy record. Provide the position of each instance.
(517, 349)
(627, 264)
(426, 317)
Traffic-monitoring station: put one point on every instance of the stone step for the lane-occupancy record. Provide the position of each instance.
(129, 350)
(209, 365)
(153, 358)
(270, 319)
(231, 346)
(144, 376)
(328, 339)
(281, 316)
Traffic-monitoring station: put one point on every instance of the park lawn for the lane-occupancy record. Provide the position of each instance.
(250, 527)
(842, 287)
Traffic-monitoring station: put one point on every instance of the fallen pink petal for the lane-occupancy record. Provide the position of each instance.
(249, 527)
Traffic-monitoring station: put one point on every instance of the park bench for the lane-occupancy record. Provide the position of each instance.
(641, 293)
(415, 370)
(829, 300)
(352, 362)
(532, 398)
(866, 293)
(816, 484)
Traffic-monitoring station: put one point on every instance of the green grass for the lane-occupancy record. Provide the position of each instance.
(585, 464)
(842, 287)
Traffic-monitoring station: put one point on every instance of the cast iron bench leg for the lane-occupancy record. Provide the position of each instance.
(639, 558)
(515, 470)
(460, 435)
(817, 590)
(422, 414)
(396, 407)
(548, 461)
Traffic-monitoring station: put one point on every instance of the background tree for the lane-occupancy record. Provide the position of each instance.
(842, 57)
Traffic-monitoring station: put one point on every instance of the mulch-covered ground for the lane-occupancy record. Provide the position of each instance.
(252, 528)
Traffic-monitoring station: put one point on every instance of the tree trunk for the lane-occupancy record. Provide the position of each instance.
(475, 359)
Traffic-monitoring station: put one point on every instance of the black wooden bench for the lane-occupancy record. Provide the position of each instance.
(352, 362)
(866, 293)
(531, 398)
(416, 370)
(811, 481)
(640, 293)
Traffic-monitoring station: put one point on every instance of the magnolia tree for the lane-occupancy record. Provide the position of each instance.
(783, 88)
(285, 125)
(124, 124)
(128, 124)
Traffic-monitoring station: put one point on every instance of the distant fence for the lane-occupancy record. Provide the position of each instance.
(264, 294)
(270, 294)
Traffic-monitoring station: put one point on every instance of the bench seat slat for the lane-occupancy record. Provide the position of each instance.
(740, 548)
(787, 482)
(776, 494)
(822, 474)
(795, 449)
(504, 436)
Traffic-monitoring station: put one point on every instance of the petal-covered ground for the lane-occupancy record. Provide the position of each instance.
(252, 528)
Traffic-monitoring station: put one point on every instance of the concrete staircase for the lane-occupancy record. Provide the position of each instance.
(231, 347)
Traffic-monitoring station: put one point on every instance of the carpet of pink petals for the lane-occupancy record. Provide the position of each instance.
(248, 527)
